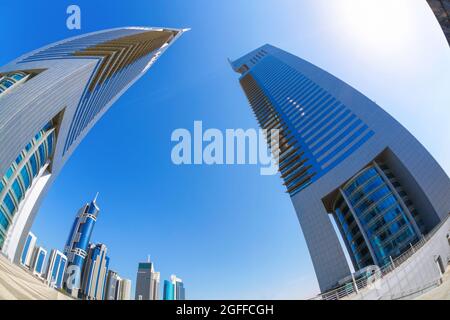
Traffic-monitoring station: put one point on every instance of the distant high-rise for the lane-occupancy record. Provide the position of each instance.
(441, 9)
(38, 261)
(147, 282)
(124, 292)
(50, 99)
(94, 273)
(28, 250)
(174, 289)
(341, 156)
(117, 288)
(169, 290)
(179, 290)
(56, 267)
(77, 245)
(112, 286)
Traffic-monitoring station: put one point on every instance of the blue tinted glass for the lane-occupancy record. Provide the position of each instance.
(55, 266)
(40, 262)
(25, 177)
(19, 159)
(50, 144)
(61, 273)
(9, 173)
(9, 203)
(3, 220)
(42, 157)
(34, 166)
(47, 126)
(25, 249)
(38, 136)
(17, 76)
(17, 190)
(6, 83)
(28, 146)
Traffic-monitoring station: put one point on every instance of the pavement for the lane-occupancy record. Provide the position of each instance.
(439, 293)
(17, 283)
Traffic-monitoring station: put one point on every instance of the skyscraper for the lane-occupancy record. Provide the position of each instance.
(28, 249)
(179, 290)
(174, 289)
(117, 288)
(112, 286)
(441, 9)
(94, 273)
(147, 282)
(56, 267)
(124, 292)
(169, 290)
(49, 100)
(77, 245)
(343, 156)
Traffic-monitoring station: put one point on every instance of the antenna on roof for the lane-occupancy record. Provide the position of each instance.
(96, 196)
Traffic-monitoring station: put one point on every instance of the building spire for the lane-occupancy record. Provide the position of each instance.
(96, 196)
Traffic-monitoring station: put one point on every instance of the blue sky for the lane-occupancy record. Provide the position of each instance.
(227, 231)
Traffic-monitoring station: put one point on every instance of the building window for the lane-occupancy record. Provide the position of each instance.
(19, 176)
(373, 219)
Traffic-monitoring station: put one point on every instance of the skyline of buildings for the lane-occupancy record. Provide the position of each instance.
(384, 182)
(58, 93)
(342, 156)
(97, 281)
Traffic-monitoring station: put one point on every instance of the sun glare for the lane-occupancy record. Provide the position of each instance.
(382, 25)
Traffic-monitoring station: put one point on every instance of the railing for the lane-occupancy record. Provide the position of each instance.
(354, 287)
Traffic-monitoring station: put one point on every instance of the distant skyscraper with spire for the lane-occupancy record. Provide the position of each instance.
(77, 245)
(147, 282)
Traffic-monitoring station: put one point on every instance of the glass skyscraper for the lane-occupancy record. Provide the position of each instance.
(77, 245)
(169, 290)
(174, 289)
(49, 100)
(343, 157)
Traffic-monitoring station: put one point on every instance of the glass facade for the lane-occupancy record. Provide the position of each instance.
(40, 262)
(9, 80)
(169, 293)
(375, 217)
(317, 131)
(56, 269)
(25, 249)
(21, 173)
(77, 244)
